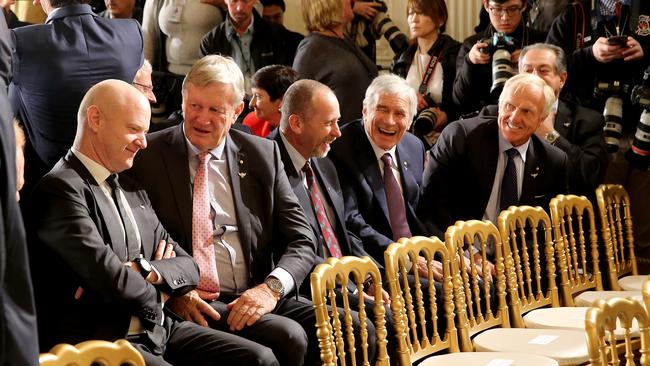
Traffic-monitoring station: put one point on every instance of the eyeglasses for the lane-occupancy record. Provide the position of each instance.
(147, 88)
(509, 11)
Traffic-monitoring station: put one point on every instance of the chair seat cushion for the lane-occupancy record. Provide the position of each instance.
(489, 358)
(587, 298)
(572, 318)
(567, 347)
(632, 283)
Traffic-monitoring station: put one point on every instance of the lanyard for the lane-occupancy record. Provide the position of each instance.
(437, 48)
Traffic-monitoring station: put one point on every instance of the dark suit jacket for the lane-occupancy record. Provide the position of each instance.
(55, 63)
(77, 241)
(270, 45)
(581, 138)
(331, 191)
(460, 174)
(363, 186)
(272, 226)
(18, 338)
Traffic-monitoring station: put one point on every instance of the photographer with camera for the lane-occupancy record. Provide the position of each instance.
(608, 45)
(429, 67)
(485, 60)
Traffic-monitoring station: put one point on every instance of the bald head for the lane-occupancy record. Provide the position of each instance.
(112, 120)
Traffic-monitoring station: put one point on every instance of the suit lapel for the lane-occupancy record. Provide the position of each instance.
(177, 168)
(409, 184)
(532, 170)
(488, 155)
(112, 221)
(563, 120)
(335, 200)
(238, 169)
(367, 160)
(146, 235)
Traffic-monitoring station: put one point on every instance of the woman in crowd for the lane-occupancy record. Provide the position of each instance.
(268, 85)
(328, 56)
(429, 66)
(172, 32)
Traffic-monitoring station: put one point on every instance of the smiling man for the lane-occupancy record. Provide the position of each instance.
(380, 167)
(483, 165)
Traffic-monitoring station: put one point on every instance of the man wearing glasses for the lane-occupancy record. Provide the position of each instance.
(474, 86)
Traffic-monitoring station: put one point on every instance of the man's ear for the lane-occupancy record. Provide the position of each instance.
(239, 109)
(486, 6)
(94, 117)
(563, 77)
(295, 123)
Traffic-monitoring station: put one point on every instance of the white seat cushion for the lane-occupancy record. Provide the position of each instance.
(572, 318)
(587, 298)
(489, 359)
(567, 347)
(632, 283)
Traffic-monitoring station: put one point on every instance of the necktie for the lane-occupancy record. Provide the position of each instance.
(202, 231)
(133, 248)
(396, 210)
(509, 195)
(608, 7)
(317, 203)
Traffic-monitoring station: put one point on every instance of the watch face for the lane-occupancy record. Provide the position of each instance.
(145, 265)
(274, 284)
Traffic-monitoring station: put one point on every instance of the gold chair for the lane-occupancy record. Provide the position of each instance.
(580, 277)
(562, 345)
(616, 220)
(335, 338)
(95, 353)
(602, 322)
(415, 339)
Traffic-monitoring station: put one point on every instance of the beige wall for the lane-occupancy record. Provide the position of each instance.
(463, 16)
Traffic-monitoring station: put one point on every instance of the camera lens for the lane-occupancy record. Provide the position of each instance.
(613, 123)
(424, 123)
(501, 69)
(641, 143)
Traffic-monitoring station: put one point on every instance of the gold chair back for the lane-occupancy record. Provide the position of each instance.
(530, 276)
(335, 338)
(472, 294)
(573, 223)
(409, 312)
(616, 220)
(601, 322)
(93, 353)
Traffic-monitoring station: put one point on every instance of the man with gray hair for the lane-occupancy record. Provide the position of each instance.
(481, 166)
(225, 197)
(380, 166)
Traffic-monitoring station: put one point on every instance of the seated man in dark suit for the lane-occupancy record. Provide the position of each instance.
(483, 165)
(102, 263)
(224, 195)
(55, 63)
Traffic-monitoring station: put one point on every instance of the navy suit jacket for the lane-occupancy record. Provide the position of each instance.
(460, 175)
(363, 186)
(18, 339)
(54, 65)
(272, 227)
(78, 241)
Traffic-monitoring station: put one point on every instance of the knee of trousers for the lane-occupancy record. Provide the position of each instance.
(295, 335)
(263, 356)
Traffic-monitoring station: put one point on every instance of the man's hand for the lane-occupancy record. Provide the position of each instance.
(477, 57)
(633, 50)
(478, 263)
(546, 126)
(436, 268)
(514, 58)
(605, 52)
(192, 308)
(370, 295)
(366, 9)
(250, 306)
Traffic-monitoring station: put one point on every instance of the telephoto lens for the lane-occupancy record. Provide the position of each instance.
(501, 69)
(641, 143)
(613, 123)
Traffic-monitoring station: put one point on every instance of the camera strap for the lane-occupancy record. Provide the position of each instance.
(436, 52)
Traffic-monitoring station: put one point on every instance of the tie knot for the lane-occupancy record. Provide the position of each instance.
(512, 153)
(387, 159)
(204, 157)
(112, 181)
(308, 170)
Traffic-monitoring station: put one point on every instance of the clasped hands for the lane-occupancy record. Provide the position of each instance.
(605, 52)
(436, 267)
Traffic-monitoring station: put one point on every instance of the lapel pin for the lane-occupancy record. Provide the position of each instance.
(535, 173)
(241, 162)
(242, 174)
(567, 123)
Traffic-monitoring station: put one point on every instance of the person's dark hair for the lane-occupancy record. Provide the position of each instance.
(434, 9)
(280, 3)
(60, 3)
(274, 79)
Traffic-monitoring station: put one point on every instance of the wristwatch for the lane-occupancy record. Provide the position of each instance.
(145, 266)
(552, 137)
(275, 285)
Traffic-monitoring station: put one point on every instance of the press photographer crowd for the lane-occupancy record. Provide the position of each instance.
(178, 168)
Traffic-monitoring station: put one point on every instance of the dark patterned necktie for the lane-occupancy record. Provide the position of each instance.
(131, 237)
(509, 195)
(317, 202)
(395, 201)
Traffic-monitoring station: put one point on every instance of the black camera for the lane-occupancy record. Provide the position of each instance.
(501, 47)
(613, 90)
(425, 121)
(641, 97)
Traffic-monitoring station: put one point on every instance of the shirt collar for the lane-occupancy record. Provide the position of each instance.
(230, 28)
(379, 152)
(296, 158)
(505, 145)
(216, 153)
(98, 171)
(555, 105)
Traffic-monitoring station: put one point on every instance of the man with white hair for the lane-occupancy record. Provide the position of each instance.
(483, 165)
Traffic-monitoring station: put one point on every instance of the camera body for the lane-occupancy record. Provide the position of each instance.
(498, 41)
(425, 121)
(501, 47)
